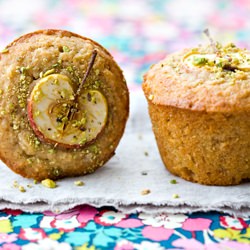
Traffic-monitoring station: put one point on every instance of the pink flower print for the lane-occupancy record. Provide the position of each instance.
(196, 224)
(188, 244)
(233, 222)
(7, 238)
(193, 244)
(10, 246)
(65, 215)
(124, 245)
(233, 245)
(108, 218)
(69, 220)
(32, 234)
(163, 219)
(86, 213)
(157, 233)
(129, 223)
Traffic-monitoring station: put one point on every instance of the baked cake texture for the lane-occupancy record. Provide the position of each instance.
(199, 104)
(64, 105)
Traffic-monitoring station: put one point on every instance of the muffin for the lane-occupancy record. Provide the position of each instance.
(64, 105)
(199, 105)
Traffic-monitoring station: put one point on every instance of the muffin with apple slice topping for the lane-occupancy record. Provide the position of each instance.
(64, 105)
(199, 104)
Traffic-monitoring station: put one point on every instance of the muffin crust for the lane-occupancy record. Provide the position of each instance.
(200, 116)
(22, 64)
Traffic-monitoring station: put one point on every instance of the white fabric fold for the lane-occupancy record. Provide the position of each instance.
(135, 167)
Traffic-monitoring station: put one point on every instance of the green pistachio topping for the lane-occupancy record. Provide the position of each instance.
(66, 49)
(199, 61)
(48, 183)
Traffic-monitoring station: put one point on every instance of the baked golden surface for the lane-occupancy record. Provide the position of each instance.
(200, 110)
(62, 54)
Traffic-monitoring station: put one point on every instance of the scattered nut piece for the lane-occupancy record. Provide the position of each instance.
(66, 49)
(48, 183)
(79, 183)
(29, 185)
(175, 196)
(146, 153)
(35, 181)
(22, 189)
(145, 192)
(144, 173)
(15, 184)
(173, 181)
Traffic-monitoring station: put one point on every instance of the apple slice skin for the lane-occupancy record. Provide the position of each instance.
(87, 123)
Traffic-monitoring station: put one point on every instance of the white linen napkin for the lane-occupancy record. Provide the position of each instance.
(135, 169)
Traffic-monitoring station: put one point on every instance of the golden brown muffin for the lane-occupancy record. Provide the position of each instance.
(64, 105)
(199, 104)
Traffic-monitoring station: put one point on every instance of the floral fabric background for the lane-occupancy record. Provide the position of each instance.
(138, 34)
(90, 228)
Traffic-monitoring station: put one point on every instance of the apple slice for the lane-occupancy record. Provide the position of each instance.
(49, 107)
(229, 61)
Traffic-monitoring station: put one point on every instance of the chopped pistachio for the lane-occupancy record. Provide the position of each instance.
(51, 151)
(69, 69)
(37, 142)
(72, 98)
(35, 182)
(79, 183)
(29, 160)
(15, 184)
(97, 84)
(29, 185)
(48, 183)
(37, 113)
(94, 149)
(15, 126)
(146, 153)
(97, 72)
(22, 77)
(23, 70)
(199, 61)
(22, 189)
(173, 181)
(175, 196)
(66, 49)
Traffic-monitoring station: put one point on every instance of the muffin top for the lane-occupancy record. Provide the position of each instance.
(63, 107)
(207, 78)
